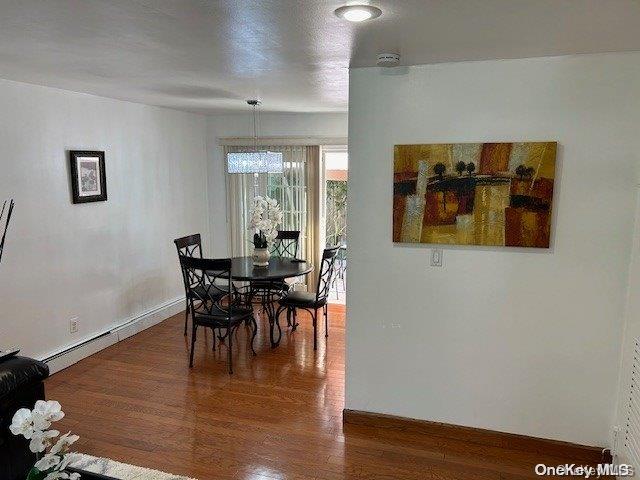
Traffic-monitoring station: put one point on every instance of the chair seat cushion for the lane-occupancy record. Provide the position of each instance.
(302, 299)
(220, 318)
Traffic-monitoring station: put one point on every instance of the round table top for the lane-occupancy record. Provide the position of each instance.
(242, 269)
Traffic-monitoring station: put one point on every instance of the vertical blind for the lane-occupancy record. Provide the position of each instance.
(288, 188)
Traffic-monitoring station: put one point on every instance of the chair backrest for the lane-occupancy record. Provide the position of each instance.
(203, 291)
(189, 246)
(286, 244)
(326, 271)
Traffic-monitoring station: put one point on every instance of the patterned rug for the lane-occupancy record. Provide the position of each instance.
(122, 471)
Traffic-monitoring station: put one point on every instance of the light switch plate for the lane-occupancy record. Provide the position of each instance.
(436, 257)
(73, 325)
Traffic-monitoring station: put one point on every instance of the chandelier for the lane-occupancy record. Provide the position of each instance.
(255, 161)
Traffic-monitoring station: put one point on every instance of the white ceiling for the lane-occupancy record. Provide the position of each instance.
(209, 56)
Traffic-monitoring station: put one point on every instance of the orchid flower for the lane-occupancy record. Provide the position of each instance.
(33, 425)
(265, 216)
(45, 413)
(40, 440)
(22, 423)
(64, 442)
(47, 462)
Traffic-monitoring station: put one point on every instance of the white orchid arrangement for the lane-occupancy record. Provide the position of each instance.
(266, 215)
(52, 452)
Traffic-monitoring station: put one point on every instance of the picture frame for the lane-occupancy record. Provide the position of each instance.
(490, 194)
(88, 176)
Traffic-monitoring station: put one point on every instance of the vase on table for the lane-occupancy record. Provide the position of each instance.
(261, 257)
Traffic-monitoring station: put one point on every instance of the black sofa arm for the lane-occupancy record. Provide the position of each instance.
(21, 384)
(17, 372)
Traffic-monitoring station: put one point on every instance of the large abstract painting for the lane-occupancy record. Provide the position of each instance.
(497, 194)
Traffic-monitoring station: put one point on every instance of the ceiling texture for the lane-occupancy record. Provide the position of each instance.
(209, 56)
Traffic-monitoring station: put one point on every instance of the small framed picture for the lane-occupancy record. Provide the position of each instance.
(88, 177)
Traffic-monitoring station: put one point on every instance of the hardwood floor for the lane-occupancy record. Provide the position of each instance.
(279, 416)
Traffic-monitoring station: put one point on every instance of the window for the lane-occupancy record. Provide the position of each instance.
(290, 190)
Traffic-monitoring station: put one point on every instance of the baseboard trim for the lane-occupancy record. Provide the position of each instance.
(562, 450)
(67, 356)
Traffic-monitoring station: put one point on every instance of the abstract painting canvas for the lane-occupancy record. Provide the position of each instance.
(496, 194)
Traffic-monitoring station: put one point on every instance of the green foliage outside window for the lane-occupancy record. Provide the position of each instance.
(336, 212)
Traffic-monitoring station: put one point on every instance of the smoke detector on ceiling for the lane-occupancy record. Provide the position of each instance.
(388, 60)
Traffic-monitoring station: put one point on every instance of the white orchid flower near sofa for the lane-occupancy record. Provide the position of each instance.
(52, 450)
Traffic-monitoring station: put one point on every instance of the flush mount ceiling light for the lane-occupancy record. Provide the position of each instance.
(255, 160)
(358, 13)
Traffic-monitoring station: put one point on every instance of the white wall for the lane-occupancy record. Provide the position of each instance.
(516, 340)
(240, 125)
(103, 262)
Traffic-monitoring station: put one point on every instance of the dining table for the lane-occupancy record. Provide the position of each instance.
(268, 280)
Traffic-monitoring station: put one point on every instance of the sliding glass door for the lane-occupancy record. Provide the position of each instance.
(335, 164)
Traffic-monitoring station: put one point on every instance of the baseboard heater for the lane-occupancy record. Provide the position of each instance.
(78, 345)
(119, 332)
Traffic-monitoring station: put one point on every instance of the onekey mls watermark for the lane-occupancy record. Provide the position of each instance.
(586, 471)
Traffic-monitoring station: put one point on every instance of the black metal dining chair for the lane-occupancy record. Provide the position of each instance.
(340, 270)
(312, 301)
(211, 306)
(190, 246)
(285, 246)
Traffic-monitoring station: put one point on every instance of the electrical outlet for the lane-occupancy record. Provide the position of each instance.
(436, 257)
(73, 325)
